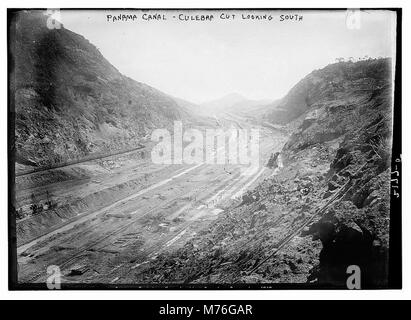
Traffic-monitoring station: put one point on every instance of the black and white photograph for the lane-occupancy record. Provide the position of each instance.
(204, 148)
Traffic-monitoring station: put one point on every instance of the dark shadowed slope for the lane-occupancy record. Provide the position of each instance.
(71, 102)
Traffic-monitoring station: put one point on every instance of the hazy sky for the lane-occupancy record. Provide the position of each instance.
(201, 61)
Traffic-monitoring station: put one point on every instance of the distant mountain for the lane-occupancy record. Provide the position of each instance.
(224, 102)
(69, 101)
(253, 108)
(188, 106)
(233, 102)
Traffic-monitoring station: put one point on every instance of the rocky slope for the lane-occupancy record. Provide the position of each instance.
(327, 209)
(339, 82)
(354, 230)
(69, 101)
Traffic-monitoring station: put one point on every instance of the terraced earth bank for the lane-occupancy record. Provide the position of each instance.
(89, 200)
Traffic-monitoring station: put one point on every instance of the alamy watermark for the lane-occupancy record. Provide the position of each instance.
(354, 278)
(54, 277)
(54, 19)
(214, 146)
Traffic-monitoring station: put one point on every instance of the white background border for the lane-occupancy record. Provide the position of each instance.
(405, 293)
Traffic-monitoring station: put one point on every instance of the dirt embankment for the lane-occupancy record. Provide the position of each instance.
(35, 226)
(77, 190)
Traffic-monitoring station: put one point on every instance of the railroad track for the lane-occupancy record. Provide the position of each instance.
(123, 227)
(104, 238)
(158, 246)
(69, 163)
(101, 239)
(89, 215)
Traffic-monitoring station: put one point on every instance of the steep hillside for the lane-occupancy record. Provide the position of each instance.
(70, 101)
(326, 209)
(354, 108)
(339, 82)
